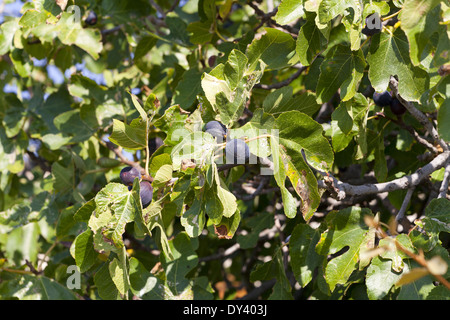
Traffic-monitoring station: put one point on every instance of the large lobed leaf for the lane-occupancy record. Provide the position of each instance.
(346, 229)
(389, 56)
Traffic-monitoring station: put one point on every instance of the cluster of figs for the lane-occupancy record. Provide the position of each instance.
(236, 152)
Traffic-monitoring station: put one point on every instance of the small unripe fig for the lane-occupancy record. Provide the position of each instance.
(397, 107)
(146, 193)
(128, 174)
(212, 61)
(216, 129)
(237, 152)
(91, 19)
(382, 99)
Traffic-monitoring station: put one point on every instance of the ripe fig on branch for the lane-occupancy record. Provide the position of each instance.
(128, 174)
(216, 129)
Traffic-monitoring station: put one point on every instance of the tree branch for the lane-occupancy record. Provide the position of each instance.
(282, 83)
(415, 135)
(405, 182)
(118, 152)
(402, 211)
(444, 186)
(419, 115)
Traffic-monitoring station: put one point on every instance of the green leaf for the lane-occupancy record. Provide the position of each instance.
(85, 255)
(342, 69)
(200, 32)
(311, 41)
(414, 11)
(185, 259)
(227, 199)
(329, 9)
(235, 68)
(188, 88)
(397, 256)
(193, 219)
(212, 86)
(127, 136)
(380, 278)
(119, 276)
(350, 118)
(228, 87)
(304, 259)
(22, 243)
(21, 62)
(106, 287)
(172, 122)
(436, 220)
(342, 128)
(115, 207)
(213, 205)
(289, 11)
(274, 269)
(346, 229)
(143, 48)
(197, 146)
(64, 177)
(389, 56)
(261, 124)
(28, 287)
(275, 48)
(7, 32)
(279, 172)
(298, 131)
(282, 100)
(420, 35)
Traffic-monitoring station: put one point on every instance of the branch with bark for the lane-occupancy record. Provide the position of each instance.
(419, 115)
(402, 183)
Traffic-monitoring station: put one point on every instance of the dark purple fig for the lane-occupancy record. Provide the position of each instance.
(146, 193)
(216, 129)
(128, 174)
(397, 108)
(382, 99)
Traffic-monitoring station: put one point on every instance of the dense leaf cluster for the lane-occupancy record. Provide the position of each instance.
(203, 149)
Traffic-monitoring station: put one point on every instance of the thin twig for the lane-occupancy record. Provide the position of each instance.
(419, 258)
(404, 182)
(118, 152)
(444, 186)
(158, 8)
(402, 211)
(419, 115)
(282, 83)
(415, 135)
